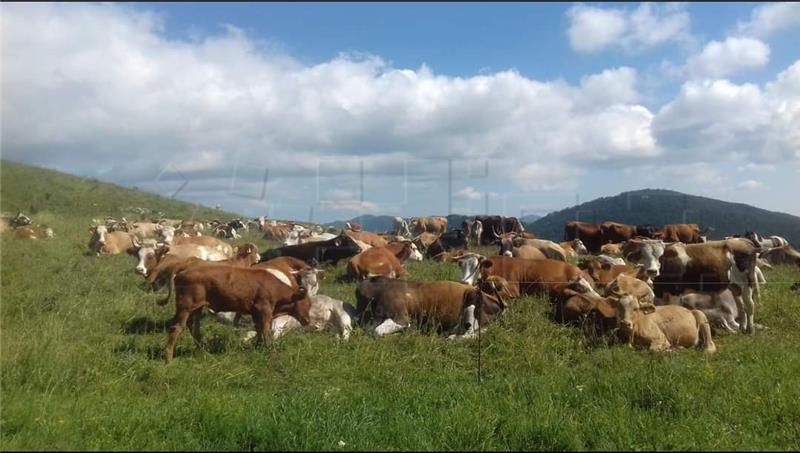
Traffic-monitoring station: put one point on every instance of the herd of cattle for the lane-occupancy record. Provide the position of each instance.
(656, 288)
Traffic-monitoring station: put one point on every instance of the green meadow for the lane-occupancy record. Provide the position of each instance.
(81, 359)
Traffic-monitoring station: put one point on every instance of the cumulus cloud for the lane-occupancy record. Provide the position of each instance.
(468, 193)
(724, 58)
(547, 177)
(771, 18)
(750, 184)
(594, 29)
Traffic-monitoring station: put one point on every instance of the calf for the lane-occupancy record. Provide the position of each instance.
(230, 289)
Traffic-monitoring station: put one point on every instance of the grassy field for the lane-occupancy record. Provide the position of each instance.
(81, 351)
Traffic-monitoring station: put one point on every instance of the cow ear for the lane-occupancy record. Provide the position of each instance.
(606, 265)
(485, 264)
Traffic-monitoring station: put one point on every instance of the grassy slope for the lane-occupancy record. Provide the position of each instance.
(81, 356)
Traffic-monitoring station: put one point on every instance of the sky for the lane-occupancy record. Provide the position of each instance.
(326, 111)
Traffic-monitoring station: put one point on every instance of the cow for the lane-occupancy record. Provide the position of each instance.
(330, 251)
(325, 313)
(230, 289)
(766, 242)
(603, 273)
(525, 277)
(146, 230)
(424, 240)
(400, 227)
(528, 252)
(614, 232)
(492, 227)
(275, 232)
(386, 261)
(782, 255)
(372, 239)
(646, 252)
(150, 254)
(720, 309)
(19, 220)
(476, 232)
(446, 242)
(589, 233)
(612, 249)
(34, 232)
(688, 233)
(574, 247)
(659, 328)
(110, 243)
(209, 242)
(550, 249)
(710, 267)
(386, 305)
(352, 226)
(435, 225)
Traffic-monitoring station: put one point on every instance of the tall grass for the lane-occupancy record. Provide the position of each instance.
(81, 357)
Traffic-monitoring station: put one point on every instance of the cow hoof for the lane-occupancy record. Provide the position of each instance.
(760, 326)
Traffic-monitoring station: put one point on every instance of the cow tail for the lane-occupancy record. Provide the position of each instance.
(705, 332)
(171, 289)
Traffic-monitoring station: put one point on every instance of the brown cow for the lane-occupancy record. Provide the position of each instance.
(113, 243)
(230, 289)
(589, 233)
(433, 224)
(369, 238)
(162, 262)
(34, 232)
(612, 249)
(386, 261)
(388, 305)
(604, 272)
(688, 233)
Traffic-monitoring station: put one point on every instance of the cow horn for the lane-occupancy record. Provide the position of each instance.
(499, 297)
(494, 231)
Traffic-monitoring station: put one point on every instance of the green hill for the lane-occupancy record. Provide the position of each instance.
(49, 196)
(659, 207)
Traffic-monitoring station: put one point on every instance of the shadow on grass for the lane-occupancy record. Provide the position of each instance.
(145, 324)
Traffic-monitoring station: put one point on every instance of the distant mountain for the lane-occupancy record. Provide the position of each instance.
(658, 207)
(530, 218)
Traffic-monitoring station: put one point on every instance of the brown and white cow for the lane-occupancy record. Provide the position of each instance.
(710, 267)
(34, 232)
(550, 249)
(782, 255)
(367, 237)
(525, 277)
(589, 233)
(230, 289)
(386, 261)
(612, 249)
(574, 247)
(432, 224)
(388, 305)
(688, 233)
(104, 242)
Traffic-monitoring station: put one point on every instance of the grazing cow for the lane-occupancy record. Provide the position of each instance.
(113, 243)
(612, 249)
(34, 232)
(446, 242)
(711, 267)
(525, 276)
(766, 242)
(782, 255)
(400, 227)
(325, 313)
(663, 327)
(388, 305)
(371, 239)
(330, 251)
(230, 289)
(589, 233)
(688, 233)
(433, 224)
(386, 261)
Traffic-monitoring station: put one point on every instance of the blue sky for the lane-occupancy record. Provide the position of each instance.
(558, 100)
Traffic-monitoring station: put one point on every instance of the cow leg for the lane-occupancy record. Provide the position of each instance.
(749, 308)
(388, 327)
(262, 318)
(178, 324)
(194, 323)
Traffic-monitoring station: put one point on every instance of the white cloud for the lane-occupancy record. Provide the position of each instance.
(469, 193)
(609, 87)
(733, 55)
(593, 29)
(750, 184)
(757, 168)
(547, 177)
(770, 18)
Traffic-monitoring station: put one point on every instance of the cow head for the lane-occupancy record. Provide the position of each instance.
(99, 233)
(506, 244)
(646, 252)
(248, 252)
(580, 247)
(628, 308)
(149, 253)
(309, 279)
(470, 267)
(414, 253)
(487, 304)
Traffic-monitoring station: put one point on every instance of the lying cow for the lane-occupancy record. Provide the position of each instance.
(550, 249)
(386, 261)
(34, 232)
(104, 242)
(339, 248)
(720, 310)
(253, 292)
(388, 305)
(447, 242)
(325, 313)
